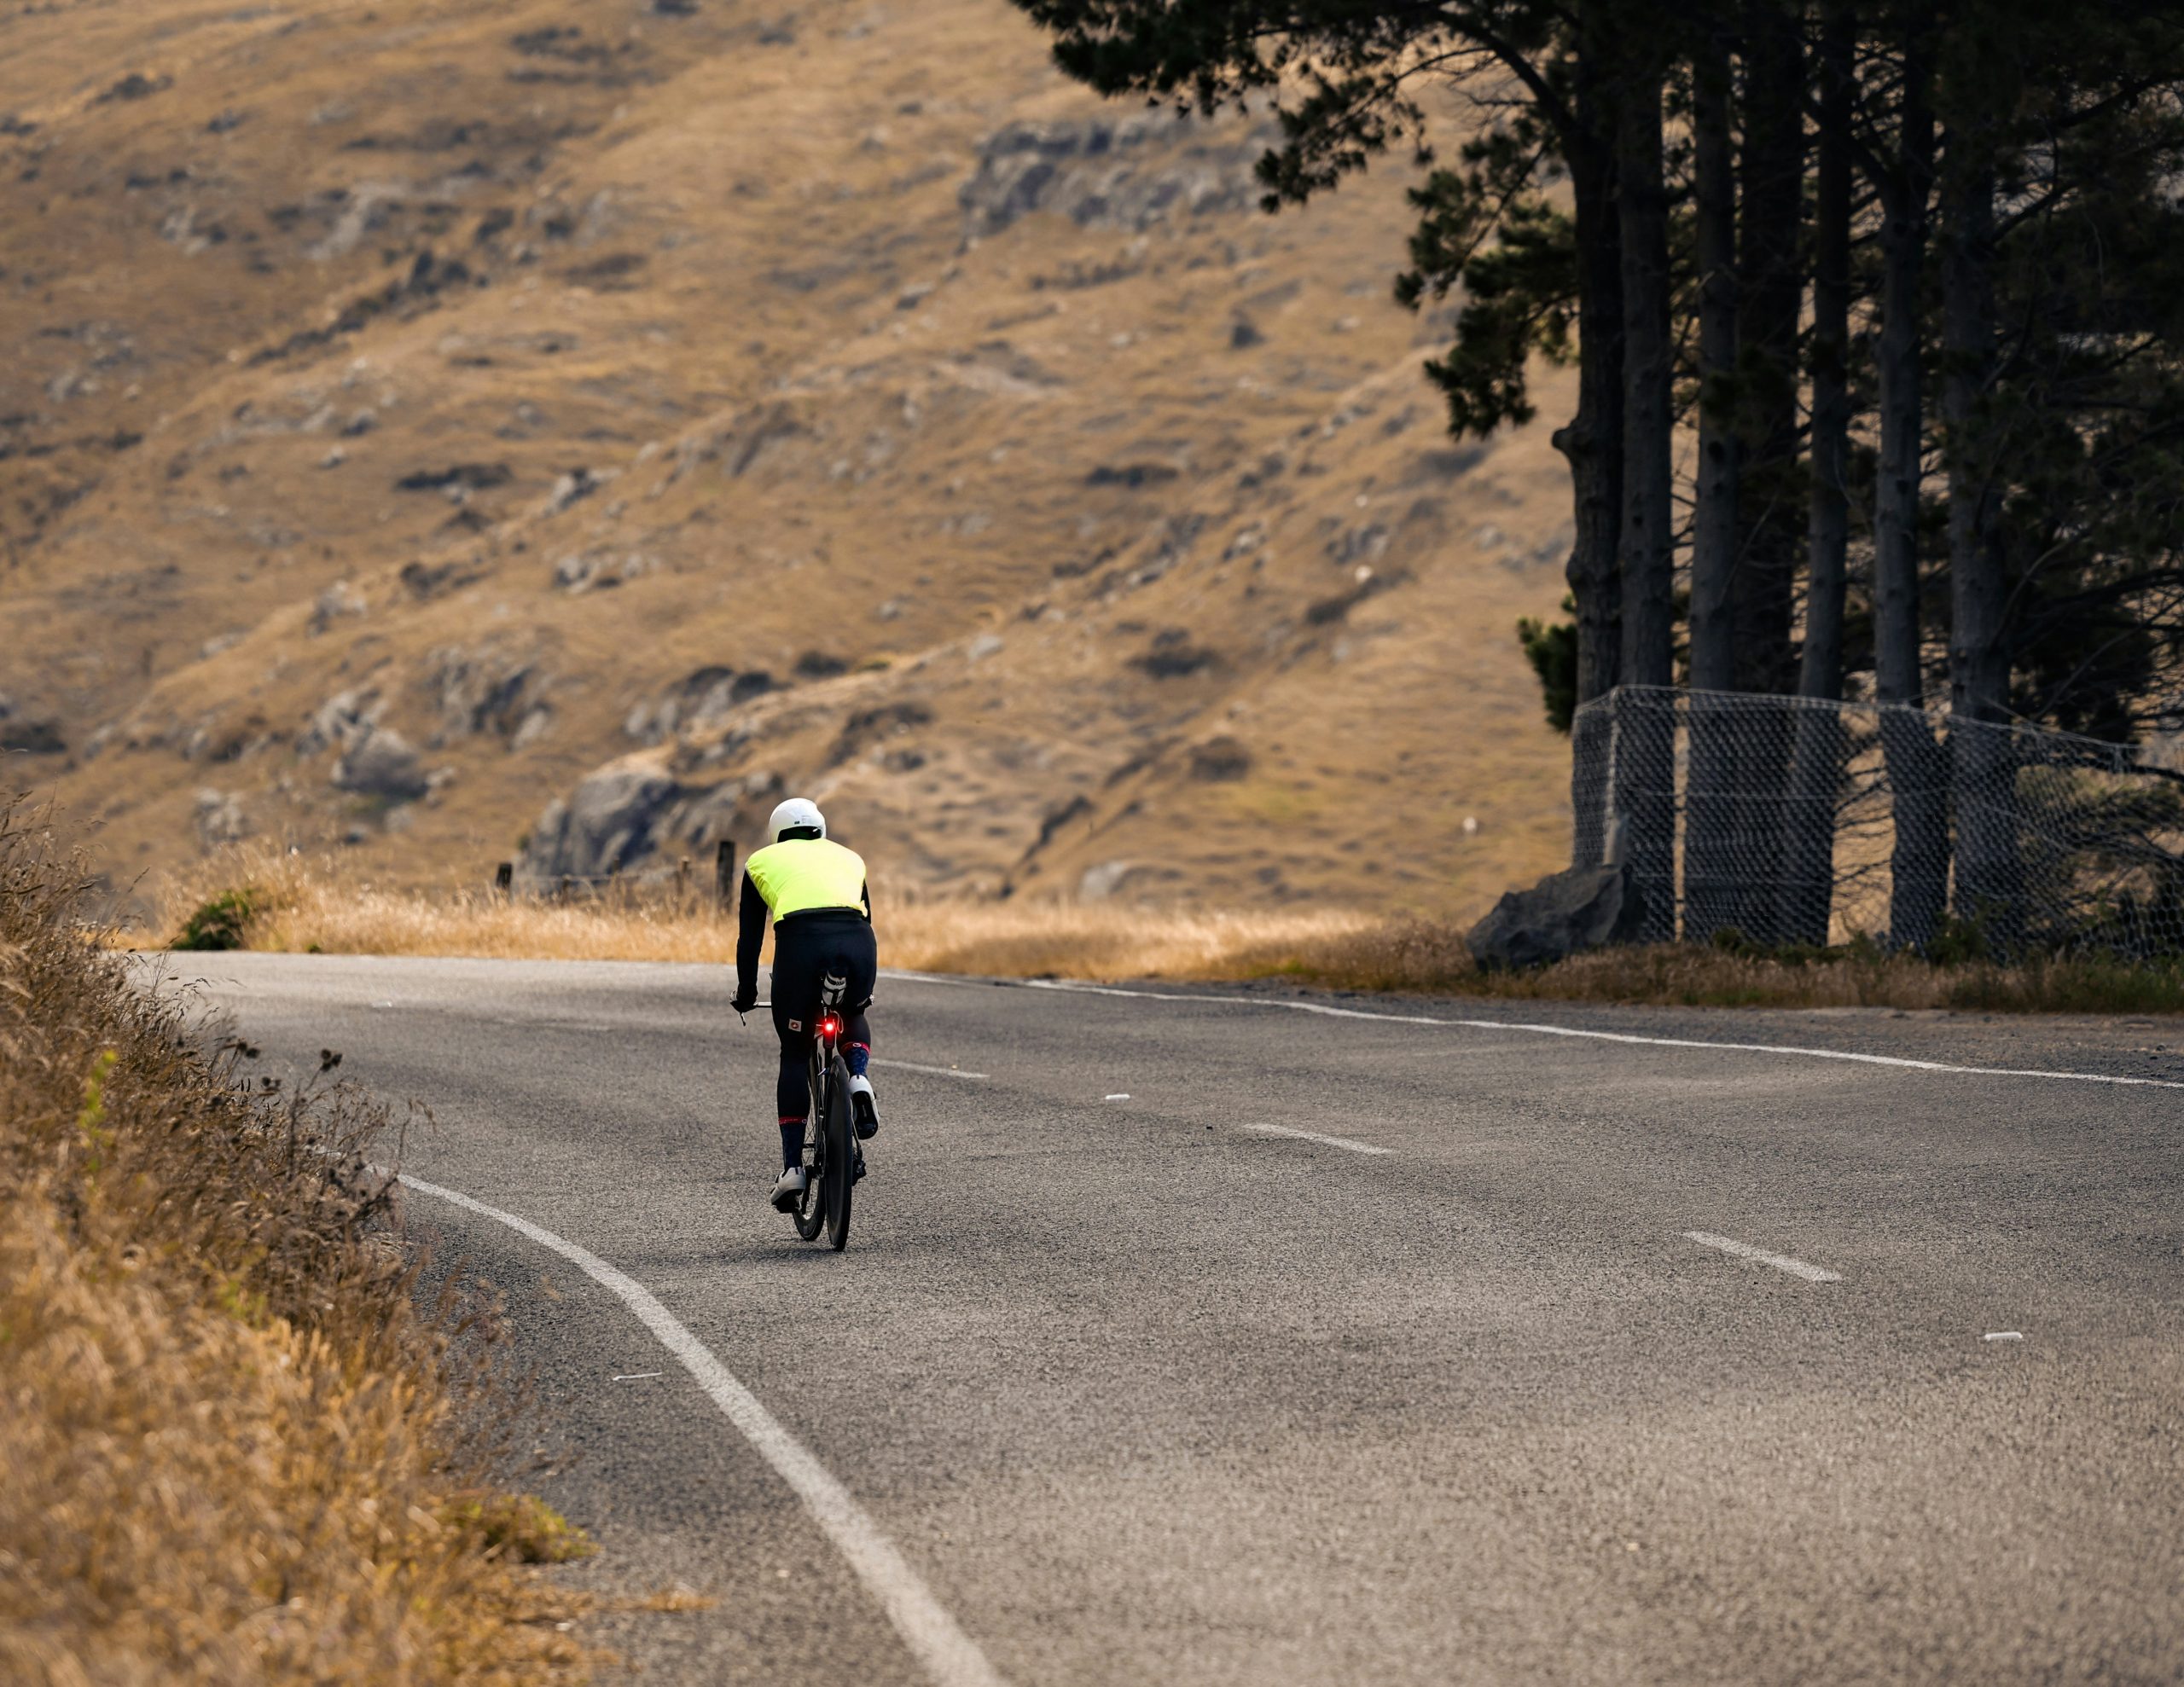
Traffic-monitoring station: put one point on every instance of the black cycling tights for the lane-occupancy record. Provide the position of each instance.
(806, 948)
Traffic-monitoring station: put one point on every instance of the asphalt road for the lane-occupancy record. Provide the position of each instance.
(1344, 1349)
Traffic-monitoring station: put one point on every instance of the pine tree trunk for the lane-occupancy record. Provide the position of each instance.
(1712, 891)
(1644, 761)
(1816, 763)
(1592, 442)
(1772, 263)
(1983, 761)
(1919, 858)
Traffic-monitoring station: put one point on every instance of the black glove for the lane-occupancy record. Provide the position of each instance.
(744, 1001)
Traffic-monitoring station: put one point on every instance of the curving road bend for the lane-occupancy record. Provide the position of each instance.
(1201, 1337)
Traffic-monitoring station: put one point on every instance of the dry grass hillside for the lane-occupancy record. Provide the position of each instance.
(437, 424)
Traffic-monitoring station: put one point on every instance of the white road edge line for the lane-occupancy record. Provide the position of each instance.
(1068, 987)
(936, 1071)
(950, 1656)
(1744, 1250)
(1354, 1147)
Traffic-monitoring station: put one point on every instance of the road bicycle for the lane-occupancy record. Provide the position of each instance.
(831, 1161)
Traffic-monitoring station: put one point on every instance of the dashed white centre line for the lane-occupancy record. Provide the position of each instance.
(1343, 1142)
(935, 1071)
(1744, 1250)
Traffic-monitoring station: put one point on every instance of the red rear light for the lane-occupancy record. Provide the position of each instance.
(830, 1027)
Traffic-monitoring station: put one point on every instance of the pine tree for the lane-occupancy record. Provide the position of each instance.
(1528, 272)
(1973, 203)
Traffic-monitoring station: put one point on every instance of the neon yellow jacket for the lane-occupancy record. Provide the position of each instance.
(802, 875)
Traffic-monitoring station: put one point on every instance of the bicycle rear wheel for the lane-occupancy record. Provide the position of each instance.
(840, 1150)
(811, 1207)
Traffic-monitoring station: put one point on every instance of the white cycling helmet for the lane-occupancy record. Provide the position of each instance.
(794, 815)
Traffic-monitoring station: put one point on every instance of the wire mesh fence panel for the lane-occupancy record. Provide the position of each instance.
(1794, 820)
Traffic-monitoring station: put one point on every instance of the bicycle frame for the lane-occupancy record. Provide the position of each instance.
(825, 1041)
(831, 1161)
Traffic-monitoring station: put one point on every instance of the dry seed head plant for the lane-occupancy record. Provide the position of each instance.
(232, 1448)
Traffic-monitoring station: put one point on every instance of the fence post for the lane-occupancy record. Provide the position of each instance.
(724, 873)
(504, 877)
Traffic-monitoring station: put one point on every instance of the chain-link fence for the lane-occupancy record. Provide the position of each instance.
(1795, 820)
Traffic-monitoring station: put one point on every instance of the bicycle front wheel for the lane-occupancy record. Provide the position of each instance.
(840, 1150)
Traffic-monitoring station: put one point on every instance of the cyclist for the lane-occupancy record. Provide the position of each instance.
(821, 903)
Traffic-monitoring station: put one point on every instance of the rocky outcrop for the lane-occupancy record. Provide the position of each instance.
(33, 737)
(219, 818)
(634, 815)
(485, 693)
(1579, 908)
(1100, 172)
(381, 763)
(703, 698)
(337, 601)
(341, 721)
(610, 822)
(1220, 759)
(866, 726)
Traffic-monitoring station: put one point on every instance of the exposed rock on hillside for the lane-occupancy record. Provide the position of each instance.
(33, 737)
(381, 763)
(704, 698)
(485, 693)
(219, 819)
(634, 815)
(1103, 172)
(612, 820)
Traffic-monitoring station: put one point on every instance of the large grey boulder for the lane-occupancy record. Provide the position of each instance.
(1580, 909)
(611, 821)
(382, 764)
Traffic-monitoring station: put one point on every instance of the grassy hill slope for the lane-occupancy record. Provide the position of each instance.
(439, 423)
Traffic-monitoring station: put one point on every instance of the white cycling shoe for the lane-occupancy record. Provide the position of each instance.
(864, 1112)
(788, 1190)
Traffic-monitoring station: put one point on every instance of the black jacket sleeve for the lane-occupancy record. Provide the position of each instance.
(750, 933)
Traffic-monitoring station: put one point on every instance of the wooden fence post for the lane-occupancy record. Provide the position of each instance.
(724, 873)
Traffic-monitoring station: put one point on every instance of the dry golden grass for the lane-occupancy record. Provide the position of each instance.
(1100, 940)
(297, 904)
(232, 1450)
(1427, 956)
(300, 905)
